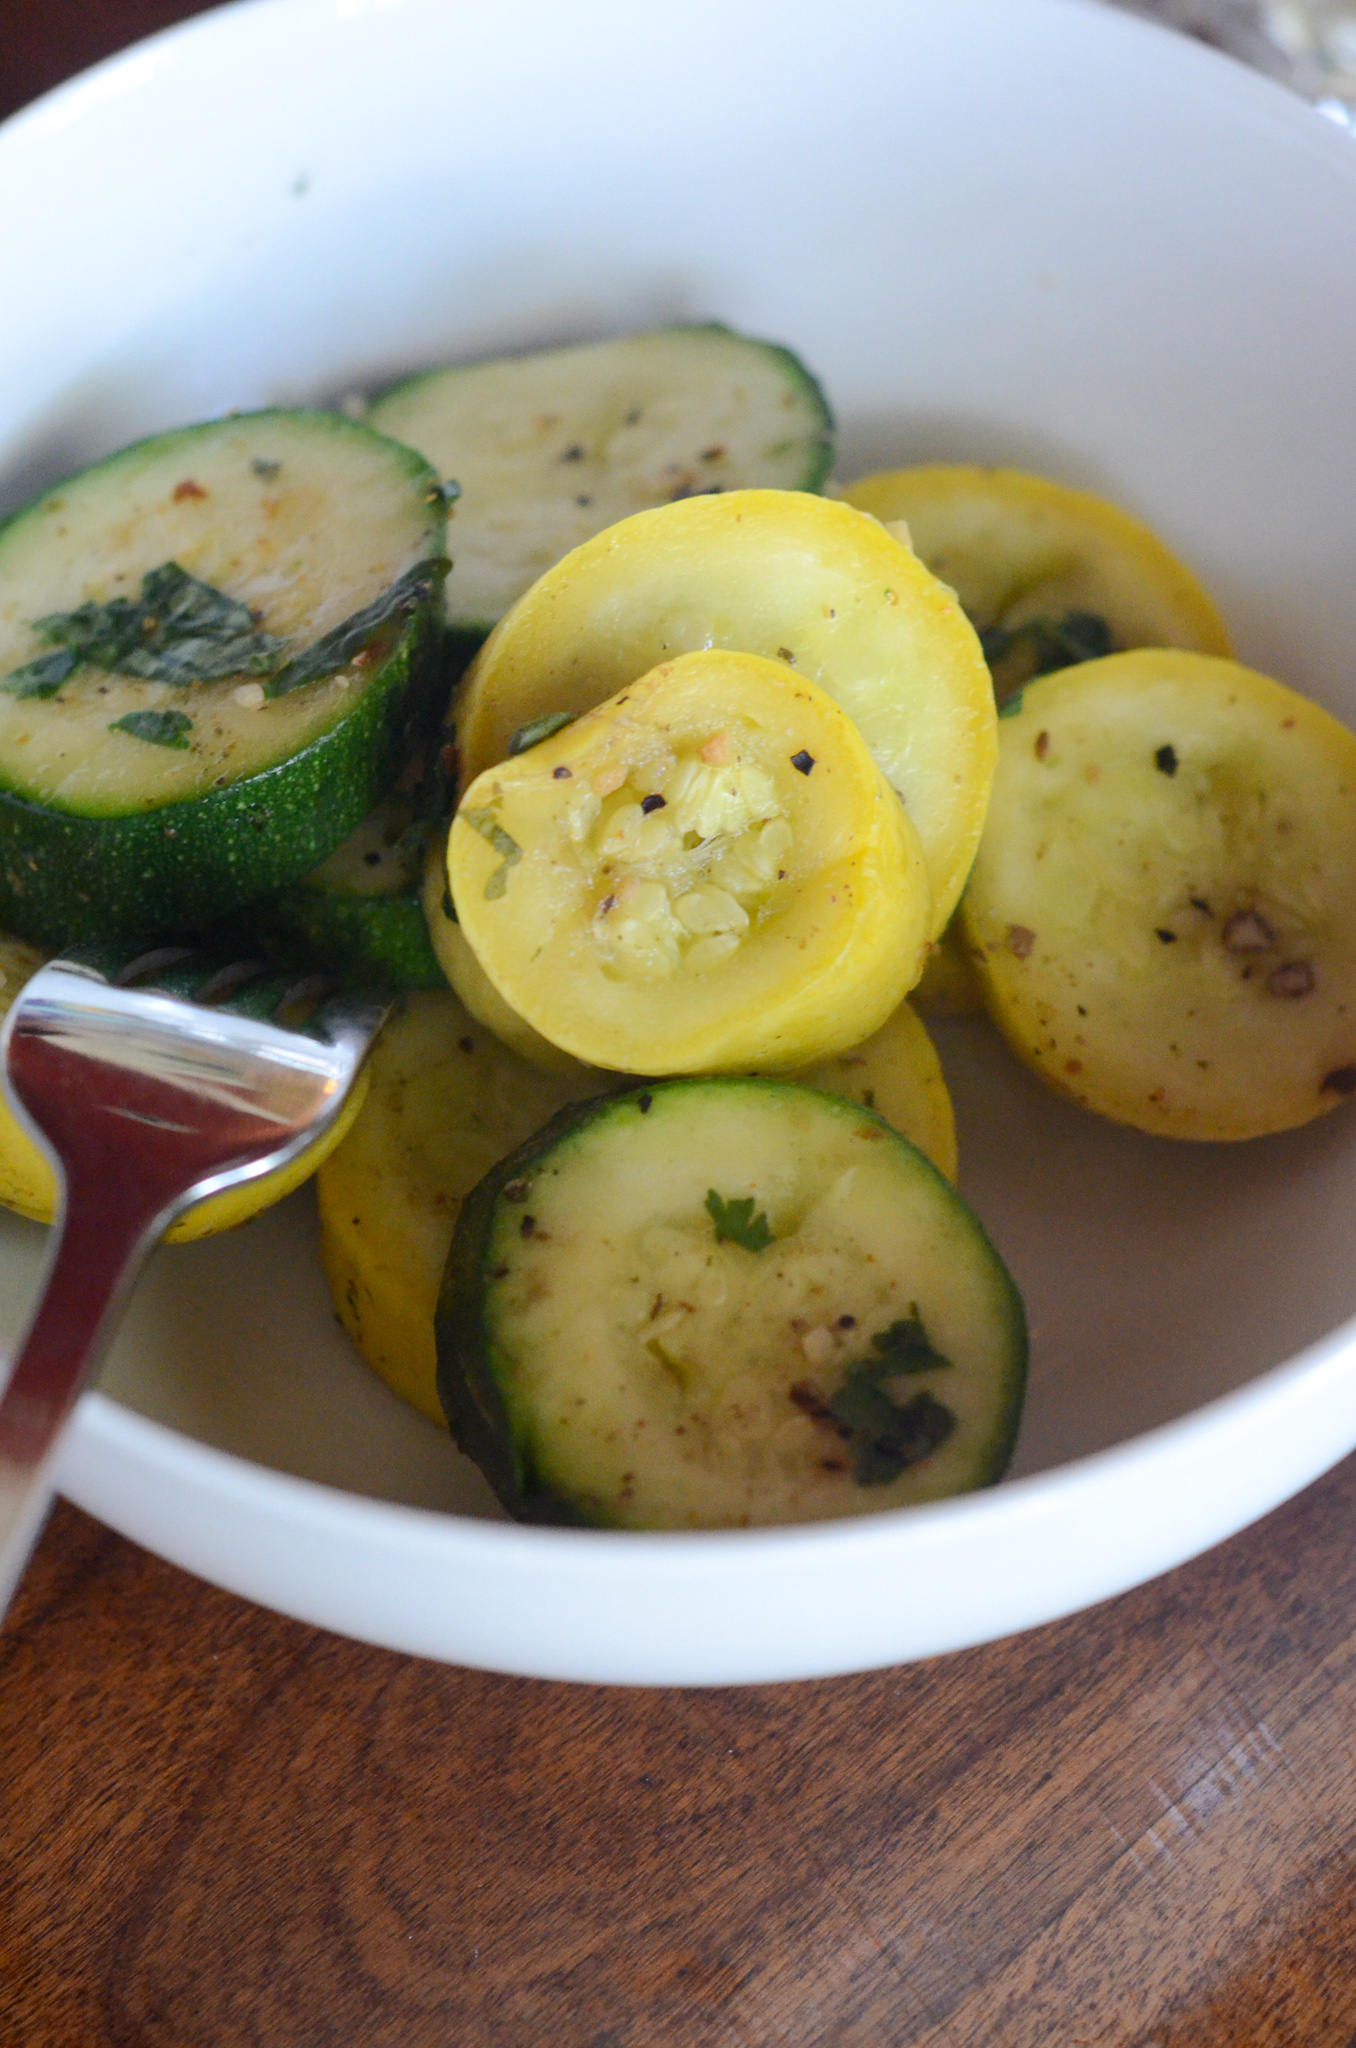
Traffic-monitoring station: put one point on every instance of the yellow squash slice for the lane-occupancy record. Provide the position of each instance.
(1163, 909)
(898, 1074)
(1048, 574)
(798, 579)
(446, 1101)
(706, 872)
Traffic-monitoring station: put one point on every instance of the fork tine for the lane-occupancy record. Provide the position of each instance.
(147, 1103)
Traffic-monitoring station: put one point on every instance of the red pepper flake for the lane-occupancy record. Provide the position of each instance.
(188, 489)
(1248, 932)
(561, 774)
(1073, 1066)
(1020, 941)
(1042, 746)
(1292, 978)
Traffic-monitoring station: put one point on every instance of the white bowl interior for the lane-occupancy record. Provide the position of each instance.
(1039, 232)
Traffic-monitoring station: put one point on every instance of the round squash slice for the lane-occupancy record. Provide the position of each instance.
(468, 979)
(708, 871)
(29, 1187)
(445, 1101)
(724, 1303)
(1049, 575)
(802, 580)
(897, 1074)
(1163, 910)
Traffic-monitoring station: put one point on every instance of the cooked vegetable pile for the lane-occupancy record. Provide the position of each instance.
(651, 1194)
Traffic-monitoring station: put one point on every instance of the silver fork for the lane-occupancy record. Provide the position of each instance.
(148, 1100)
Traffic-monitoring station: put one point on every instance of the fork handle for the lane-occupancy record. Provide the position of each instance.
(101, 1247)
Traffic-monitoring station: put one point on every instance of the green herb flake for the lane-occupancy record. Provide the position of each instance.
(337, 648)
(538, 729)
(180, 630)
(42, 677)
(887, 1436)
(1039, 646)
(159, 728)
(905, 1347)
(737, 1223)
(487, 825)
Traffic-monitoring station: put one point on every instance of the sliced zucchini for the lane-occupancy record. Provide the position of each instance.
(799, 579)
(550, 448)
(897, 1074)
(445, 1101)
(28, 1184)
(214, 647)
(468, 979)
(720, 1303)
(359, 913)
(1163, 910)
(707, 871)
(1049, 575)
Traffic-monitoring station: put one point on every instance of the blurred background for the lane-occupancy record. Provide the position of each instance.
(1307, 44)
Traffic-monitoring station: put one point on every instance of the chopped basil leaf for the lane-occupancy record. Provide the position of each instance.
(335, 649)
(736, 1222)
(160, 728)
(538, 729)
(885, 1435)
(911, 1434)
(1049, 644)
(180, 630)
(1010, 706)
(489, 828)
(905, 1347)
(42, 677)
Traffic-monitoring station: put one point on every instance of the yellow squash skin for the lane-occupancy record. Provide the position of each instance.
(705, 873)
(786, 575)
(468, 979)
(446, 1102)
(1163, 910)
(28, 1184)
(1017, 547)
(897, 1074)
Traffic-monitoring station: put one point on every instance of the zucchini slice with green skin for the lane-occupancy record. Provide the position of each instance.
(359, 913)
(814, 584)
(724, 1303)
(445, 1101)
(1050, 575)
(1163, 910)
(214, 648)
(551, 447)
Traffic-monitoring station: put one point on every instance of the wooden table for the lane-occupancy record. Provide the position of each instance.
(221, 1828)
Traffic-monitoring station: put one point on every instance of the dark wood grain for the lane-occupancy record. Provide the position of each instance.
(218, 1828)
(1135, 1827)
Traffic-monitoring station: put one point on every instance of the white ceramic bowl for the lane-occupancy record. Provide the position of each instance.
(1024, 230)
